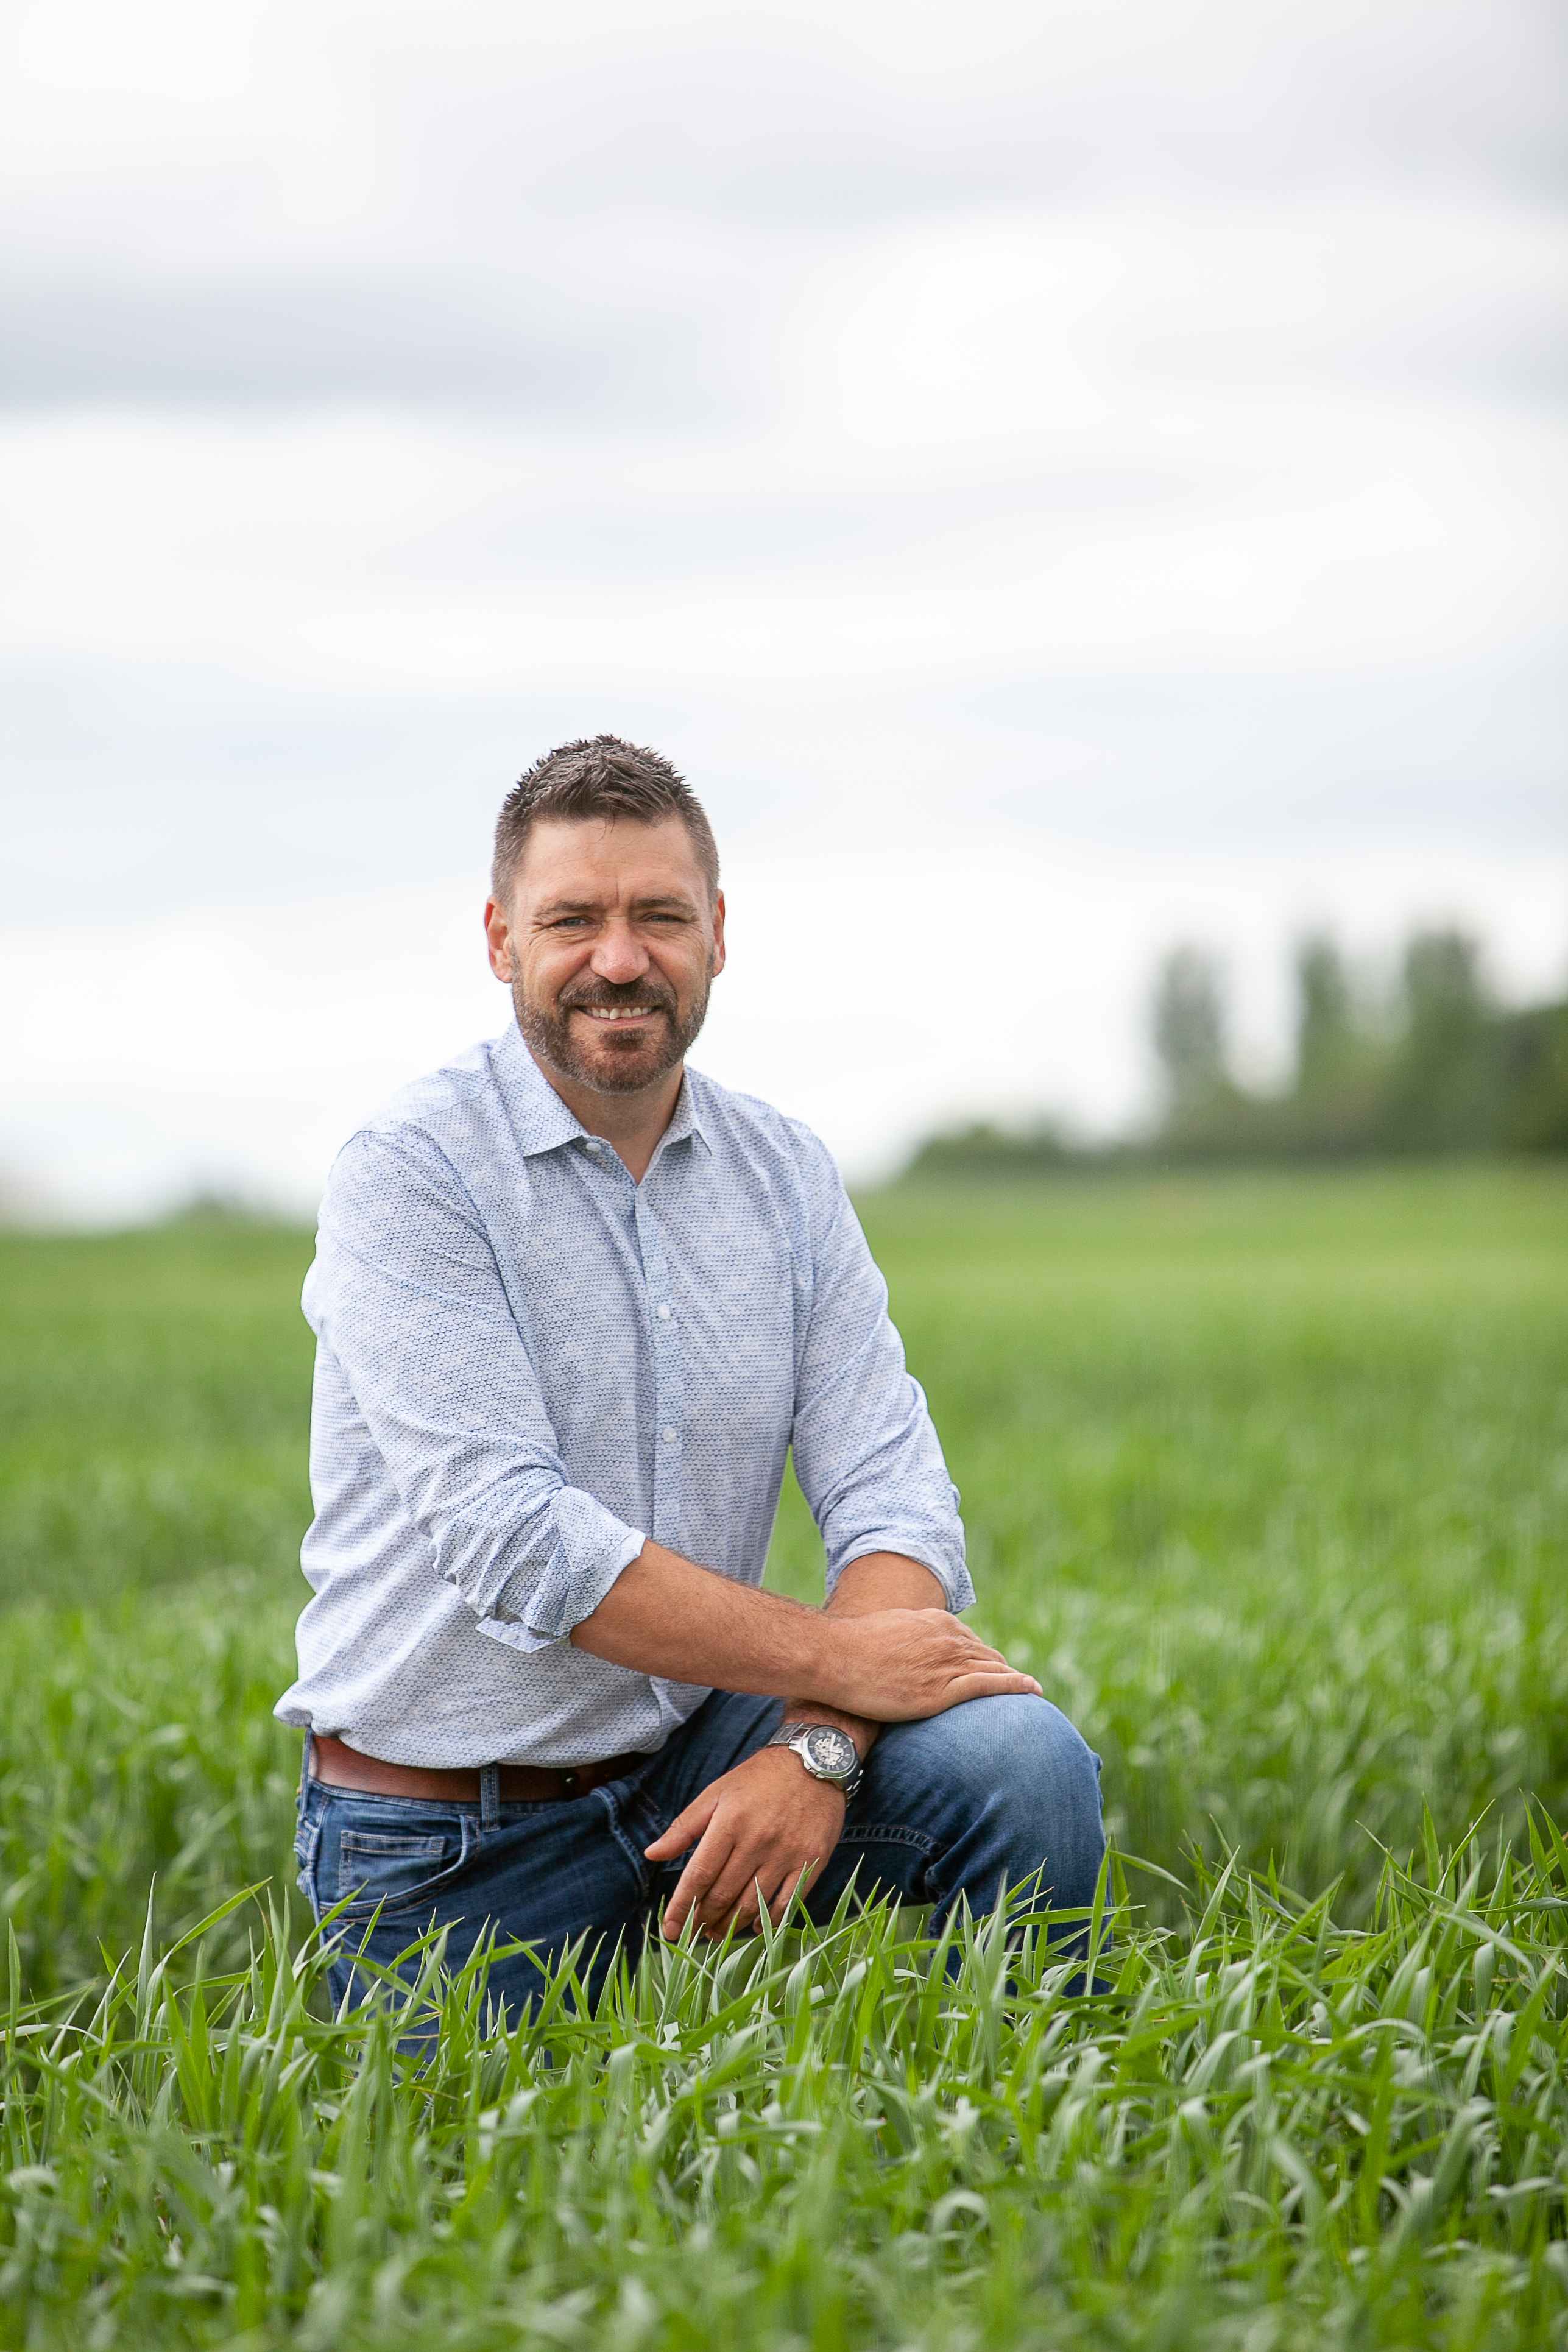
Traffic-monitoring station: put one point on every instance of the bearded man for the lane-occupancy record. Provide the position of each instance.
(575, 1305)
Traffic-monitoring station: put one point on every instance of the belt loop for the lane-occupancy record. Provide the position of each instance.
(490, 1796)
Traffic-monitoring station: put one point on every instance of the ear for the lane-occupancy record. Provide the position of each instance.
(718, 964)
(497, 941)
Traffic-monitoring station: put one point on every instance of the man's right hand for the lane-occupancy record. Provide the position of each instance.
(895, 1665)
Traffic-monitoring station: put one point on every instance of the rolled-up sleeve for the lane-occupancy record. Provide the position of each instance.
(406, 1295)
(866, 1453)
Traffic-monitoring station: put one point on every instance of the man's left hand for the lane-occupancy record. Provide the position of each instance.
(762, 1831)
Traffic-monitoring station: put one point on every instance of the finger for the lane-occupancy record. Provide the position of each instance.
(769, 1890)
(985, 1660)
(989, 1684)
(769, 1881)
(685, 1828)
(734, 1889)
(796, 1881)
(974, 1647)
(742, 1919)
(773, 1884)
(694, 1881)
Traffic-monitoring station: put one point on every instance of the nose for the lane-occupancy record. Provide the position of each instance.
(618, 956)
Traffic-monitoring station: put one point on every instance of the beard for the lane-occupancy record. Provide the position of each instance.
(626, 1060)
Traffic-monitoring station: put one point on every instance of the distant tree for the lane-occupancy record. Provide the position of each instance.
(984, 1149)
(1441, 1070)
(1446, 999)
(1329, 1039)
(1443, 1086)
(1190, 1032)
(1534, 1049)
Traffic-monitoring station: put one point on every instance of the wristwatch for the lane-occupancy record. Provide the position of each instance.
(827, 1753)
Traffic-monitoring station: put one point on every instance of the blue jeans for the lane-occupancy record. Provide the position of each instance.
(993, 1794)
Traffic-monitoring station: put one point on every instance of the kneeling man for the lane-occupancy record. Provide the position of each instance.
(575, 1304)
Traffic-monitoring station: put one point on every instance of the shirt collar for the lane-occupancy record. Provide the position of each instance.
(543, 1122)
(686, 1118)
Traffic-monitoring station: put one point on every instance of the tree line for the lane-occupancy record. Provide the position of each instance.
(1433, 1066)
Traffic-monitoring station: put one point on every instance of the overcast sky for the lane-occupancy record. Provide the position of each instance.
(1059, 478)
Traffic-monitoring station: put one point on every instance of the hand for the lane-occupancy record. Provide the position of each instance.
(762, 1831)
(897, 1666)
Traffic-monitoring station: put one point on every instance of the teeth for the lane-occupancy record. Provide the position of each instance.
(617, 1011)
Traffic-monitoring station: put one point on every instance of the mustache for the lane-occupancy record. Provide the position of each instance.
(607, 995)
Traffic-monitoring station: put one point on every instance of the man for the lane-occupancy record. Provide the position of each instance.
(575, 1304)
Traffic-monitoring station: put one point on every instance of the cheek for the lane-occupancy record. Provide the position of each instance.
(686, 968)
(546, 972)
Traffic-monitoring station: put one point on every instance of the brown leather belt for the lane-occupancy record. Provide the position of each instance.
(341, 1767)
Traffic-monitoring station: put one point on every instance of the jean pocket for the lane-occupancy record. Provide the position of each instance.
(392, 1870)
(307, 1838)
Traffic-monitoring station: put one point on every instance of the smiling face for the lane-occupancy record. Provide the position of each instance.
(609, 942)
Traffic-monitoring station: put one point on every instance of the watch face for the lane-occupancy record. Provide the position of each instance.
(831, 1752)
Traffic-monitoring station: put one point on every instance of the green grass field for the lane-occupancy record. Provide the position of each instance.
(1264, 1478)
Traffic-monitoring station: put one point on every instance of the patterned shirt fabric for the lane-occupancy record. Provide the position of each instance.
(527, 1365)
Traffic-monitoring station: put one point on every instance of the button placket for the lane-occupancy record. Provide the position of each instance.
(668, 1384)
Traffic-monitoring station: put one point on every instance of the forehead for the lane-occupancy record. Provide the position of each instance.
(605, 859)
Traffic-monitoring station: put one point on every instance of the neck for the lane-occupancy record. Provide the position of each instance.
(632, 1122)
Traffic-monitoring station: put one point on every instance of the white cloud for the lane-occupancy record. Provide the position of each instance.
(1107, 464)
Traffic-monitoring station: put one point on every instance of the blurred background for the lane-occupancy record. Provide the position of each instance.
(1079, 491)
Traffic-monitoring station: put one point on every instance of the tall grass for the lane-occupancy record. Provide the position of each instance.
(1272, 2130)
(1265, 1479)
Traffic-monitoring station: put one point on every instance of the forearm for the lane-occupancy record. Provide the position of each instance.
(664, 1615)
(889, 1650)
(879, 1580)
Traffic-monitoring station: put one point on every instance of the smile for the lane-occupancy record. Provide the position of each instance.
(618, 1012)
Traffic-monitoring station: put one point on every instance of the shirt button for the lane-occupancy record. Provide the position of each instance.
(590, 1145)
(662, 1311)
(670, 1435)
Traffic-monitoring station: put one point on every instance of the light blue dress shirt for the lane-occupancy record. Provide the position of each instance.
(527, 1365)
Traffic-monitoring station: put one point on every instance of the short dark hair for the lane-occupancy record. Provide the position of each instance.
(600, 776)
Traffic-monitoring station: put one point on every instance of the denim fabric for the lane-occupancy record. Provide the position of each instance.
(952, 1810)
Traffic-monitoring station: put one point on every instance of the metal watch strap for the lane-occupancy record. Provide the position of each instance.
(794, 1735)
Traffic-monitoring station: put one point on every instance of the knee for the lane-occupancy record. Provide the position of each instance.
(1025, 1767)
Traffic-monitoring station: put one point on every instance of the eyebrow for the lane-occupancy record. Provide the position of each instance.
(596, 906)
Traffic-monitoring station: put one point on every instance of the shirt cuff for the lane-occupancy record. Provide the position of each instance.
(945, 1561)
(535, 1609)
